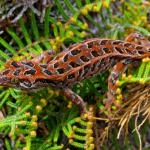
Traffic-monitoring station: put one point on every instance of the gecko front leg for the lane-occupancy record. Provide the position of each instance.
(76, 99)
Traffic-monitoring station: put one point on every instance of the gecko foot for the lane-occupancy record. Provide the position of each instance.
(109, 101)
(76, 99)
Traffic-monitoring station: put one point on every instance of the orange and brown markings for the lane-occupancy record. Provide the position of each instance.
(78, 62)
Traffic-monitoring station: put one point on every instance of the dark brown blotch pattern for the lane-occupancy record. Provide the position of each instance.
(47, 72)
(15, 64)
(30, 72)
(16, 73)
(30, 64)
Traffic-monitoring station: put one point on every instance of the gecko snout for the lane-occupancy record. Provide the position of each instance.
(4, 80)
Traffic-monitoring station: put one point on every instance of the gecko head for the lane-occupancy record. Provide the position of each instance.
(6, 79)
(19, 75)
(12, 75)
(9, 79)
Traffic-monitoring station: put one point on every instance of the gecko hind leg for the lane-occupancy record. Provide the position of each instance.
(76, 99)
(118, 69)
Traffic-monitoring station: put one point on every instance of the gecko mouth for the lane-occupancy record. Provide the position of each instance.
(5, 81)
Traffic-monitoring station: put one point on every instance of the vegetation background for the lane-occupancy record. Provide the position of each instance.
(40, 121)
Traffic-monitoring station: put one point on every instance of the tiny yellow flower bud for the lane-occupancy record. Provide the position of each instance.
(34, 124)
(52, 42)
(89, 125)
(77, 119)
(70, 140)
(51, 92)
(91, 146)
(28, 114)
(30, 103)
(84, 11)
(57, 39)
(70, 34)
(118, 91)
(84, 116)
(34, 117)
(23, 122)
(69, 105)
(83, 34)
(118, 83)
(123, 76)
(119, 97)
(73, 20)
(54, 47)
(85, 26)
(113, 107)
(89, 132)
(59, 23)
(142, 81)
(146, 60)
(74, 127)
(66, 26)
(105, 4)
(130, 77)
(143, 18)
(33, 134)
(38, 108)
(91, 139)
(95, 8)
(43, 101)
(117, 103)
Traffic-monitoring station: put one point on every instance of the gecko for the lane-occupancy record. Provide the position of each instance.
(76, 63)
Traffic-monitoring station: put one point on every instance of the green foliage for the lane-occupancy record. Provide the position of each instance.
(40, 120)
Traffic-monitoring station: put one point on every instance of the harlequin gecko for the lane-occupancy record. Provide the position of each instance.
(75, 64)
